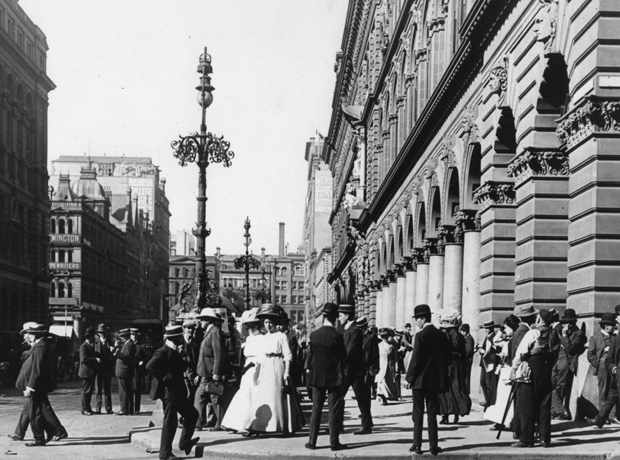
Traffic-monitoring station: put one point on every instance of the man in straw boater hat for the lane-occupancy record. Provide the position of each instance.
(573, 344)
(104, 371)
(354, 371)
(167, 367)
(35, 380)
(599, 345)
(488, 362)
(428, 376)
(89, 363)
(125, 368)
(210, 368)
(324, 366)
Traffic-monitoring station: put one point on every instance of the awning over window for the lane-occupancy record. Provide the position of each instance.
(61, 330)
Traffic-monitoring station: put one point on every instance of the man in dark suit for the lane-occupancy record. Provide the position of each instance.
(190, 352)
(324, 373)
(599, 345)
(138, 376)
(210, 368)
(104, 370)
(488, 363)
(371, 355)
(167, 367)
(354, 372)
(89, 362)
(125, 367)
(470, 347)
(573, 344)
(428, 376)
(35, 380)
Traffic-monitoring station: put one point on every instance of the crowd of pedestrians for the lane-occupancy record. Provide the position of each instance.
(246, 379)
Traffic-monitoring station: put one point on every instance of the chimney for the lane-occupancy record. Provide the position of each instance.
(281, 247)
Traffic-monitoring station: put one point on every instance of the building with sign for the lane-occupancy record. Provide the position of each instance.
(103, 262)
(24, 204)
(316, 230)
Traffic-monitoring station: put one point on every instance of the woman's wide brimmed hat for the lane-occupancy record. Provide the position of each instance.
(450, 318)
(268, 310)
(385, 331)
(249, 316)
(209, 314)
(32, 327)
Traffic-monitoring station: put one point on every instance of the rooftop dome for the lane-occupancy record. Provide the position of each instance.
(88, 186)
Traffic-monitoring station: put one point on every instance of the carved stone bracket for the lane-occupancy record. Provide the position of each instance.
(467, 220)
(493, 193)
(385, 280)
(410, 264)
(432, 247)
(385, 134)
(399, 270)
(592, 116)
(532, 162)
(497, 82)
(448, 234)
(420, 255)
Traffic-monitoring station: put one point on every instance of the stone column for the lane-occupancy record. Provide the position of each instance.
(390, 318)
(372, 302)
(453, 268)
(421, 282)
(541, 187)
(379, 304)
(470, 226)
(435, 275)
(399, 321)
(387, 304)
(410, 281)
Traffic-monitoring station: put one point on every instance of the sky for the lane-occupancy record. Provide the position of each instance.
(125, 72)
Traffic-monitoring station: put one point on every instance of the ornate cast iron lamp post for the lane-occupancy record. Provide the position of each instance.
(202, 149)
(247, 262)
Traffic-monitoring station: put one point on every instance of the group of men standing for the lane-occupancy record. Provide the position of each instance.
(99, 360)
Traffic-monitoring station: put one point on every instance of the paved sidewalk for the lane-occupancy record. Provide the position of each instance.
(392, 437)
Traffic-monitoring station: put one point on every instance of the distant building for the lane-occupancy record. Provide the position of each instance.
(317, 231)
(24, 201)
(182, 243)
(106, 252)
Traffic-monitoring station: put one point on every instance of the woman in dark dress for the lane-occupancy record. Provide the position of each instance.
(455, 399)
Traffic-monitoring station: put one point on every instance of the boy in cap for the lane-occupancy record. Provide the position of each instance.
(167, 367)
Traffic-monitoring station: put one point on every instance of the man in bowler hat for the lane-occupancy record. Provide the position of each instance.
(428, 376)
(125, 368)
(324, 368)
(354, 372)
(89, 362)
(140, 371)
(167, 367)
(104, 370)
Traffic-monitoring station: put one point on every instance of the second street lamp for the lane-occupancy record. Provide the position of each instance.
(247, 262)
(202, 149)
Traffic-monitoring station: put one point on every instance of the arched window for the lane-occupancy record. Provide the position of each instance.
(61, 226)
(61, 289)
(53, 225)
(69, 255)
(69, 225)
(52, 289)
(277, 271)
(299, 270)
(61, 255)
(69, 290)
(284, 271)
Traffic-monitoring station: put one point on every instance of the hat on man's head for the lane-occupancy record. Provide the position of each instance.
(173, 331)
(569, 316)
(89, 332)
(464, 327)
(209, 314)
(346, 308)
(330, 308)
(135, 331)
(555, 315)
(362, 321)
(189, 324)
(546, 316)
(32, 327)
(421, 310)
(407, 325)
(523, 311)
(124, 331)
(608, 318)
(101, 329)
(489, 324)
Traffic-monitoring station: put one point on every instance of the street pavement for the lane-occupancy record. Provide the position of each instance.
(129, 437)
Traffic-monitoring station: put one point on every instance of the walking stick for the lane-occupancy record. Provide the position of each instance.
(511, 398)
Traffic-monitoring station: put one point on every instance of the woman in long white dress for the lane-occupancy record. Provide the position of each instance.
(275, 408)
(239, 415)
(388, 362)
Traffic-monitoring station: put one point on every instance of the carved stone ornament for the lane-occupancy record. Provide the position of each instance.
(467, 220)
(410, 263)
(432, 247)
(592, 116)
(533, 162)
(493, 193)
(446, 154)
(448, 234)
(385, 134)
(545, 23)
(420, 255)
(497, 82)
(469, 130)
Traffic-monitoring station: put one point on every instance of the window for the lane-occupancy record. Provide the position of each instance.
(12, 28)
(61, 289)
(284, 284)
(299, 270)
(284, 299)
(284, 271)
(277, 284)
(20, 38)
(300, 285)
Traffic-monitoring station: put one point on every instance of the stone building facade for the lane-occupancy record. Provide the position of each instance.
(24, 201)
(472, 145)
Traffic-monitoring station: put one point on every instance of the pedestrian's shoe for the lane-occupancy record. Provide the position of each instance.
(436, 450)
(120, 412)
(98, 412)
(309, 446)
(35, 444)
(61, 436)
(190, 445)
(456, 419)
(521, 444)
(416, 449)
(16, 437)
(614, 421)
(215, 428)
(545, 444)
(109, 411)
(85, 412)
(592, 421)
(338, 446)
(444, 420)
(363, 431)
(564, 416)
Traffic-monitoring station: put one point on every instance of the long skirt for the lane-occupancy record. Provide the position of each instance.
(495, 413)
(238, 414)
(455, 400)
(387, 386)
